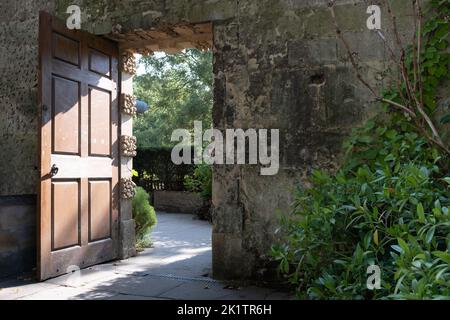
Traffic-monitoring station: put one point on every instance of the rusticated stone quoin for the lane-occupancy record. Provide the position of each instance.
(127, 188)
(128, 63)
(128, 104)
(128, 146)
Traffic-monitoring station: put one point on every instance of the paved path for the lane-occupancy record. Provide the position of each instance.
(177, 267)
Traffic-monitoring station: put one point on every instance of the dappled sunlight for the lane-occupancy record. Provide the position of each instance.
(186, 254)
(177, 267)
(179, 243)
(175, 244)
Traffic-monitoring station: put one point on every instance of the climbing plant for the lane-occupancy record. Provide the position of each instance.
(388, 205)
(421, 67)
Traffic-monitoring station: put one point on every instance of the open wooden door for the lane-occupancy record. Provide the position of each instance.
(79, 158)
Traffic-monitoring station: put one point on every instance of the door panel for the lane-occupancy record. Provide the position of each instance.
(99, 210)
(66, 116)
(66, 214)
(99, 62)
(66, 49)
(99, 122)
(79, 197)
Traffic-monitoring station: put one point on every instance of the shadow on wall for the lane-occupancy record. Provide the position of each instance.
(17, 235)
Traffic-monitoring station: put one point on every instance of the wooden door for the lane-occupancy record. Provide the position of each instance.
(79, 158)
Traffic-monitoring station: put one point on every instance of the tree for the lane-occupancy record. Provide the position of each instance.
(178, 89)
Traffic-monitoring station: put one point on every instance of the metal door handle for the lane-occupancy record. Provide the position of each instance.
(54, 170)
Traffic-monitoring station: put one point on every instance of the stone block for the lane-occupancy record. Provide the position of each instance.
(200, 11)
(365, 46)
(177, 202)
(17, 235)
(228, 257)
(304, 53)
(127, 239)
(126, 209)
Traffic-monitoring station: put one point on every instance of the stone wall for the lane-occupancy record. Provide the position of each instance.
(18, 133)
(17, 235)
(280, 65)
(277, 64)
(18, 95)
(177, 202)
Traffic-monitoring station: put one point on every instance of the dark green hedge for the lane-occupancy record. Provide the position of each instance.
(157, 171)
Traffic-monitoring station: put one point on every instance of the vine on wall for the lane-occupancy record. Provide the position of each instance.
(421, 67)
(388, 207)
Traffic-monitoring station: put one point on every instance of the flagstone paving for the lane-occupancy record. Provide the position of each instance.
(178, 266)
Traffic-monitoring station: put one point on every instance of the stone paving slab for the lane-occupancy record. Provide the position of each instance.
(68, 293)
(177, 267)
(131, 297)
(138, 286)
(89, 277)
(14, 289)
(196, 290)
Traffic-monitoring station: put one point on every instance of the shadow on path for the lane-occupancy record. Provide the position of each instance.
(178, 266)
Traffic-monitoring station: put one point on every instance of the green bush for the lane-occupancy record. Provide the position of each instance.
(388, 206)
(201, 181)
(143, 213)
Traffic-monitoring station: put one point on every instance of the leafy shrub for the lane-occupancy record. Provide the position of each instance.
(144, 215)
(388, 206)
(389, 203)
(201, 181)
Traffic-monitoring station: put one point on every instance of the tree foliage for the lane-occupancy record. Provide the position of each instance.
(178, 89)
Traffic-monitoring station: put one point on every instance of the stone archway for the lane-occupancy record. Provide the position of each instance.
(243, 226)
(163, 39)
(268, 56)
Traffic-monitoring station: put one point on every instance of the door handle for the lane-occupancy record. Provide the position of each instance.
(54, 170)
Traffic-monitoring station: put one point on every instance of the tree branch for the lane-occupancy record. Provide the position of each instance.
(412, 100)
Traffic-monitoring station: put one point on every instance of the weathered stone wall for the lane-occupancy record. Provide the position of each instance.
(18, 133)
(177, 202)
(280, 65)
(17, 235)
(277, 64)
(18, 95)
